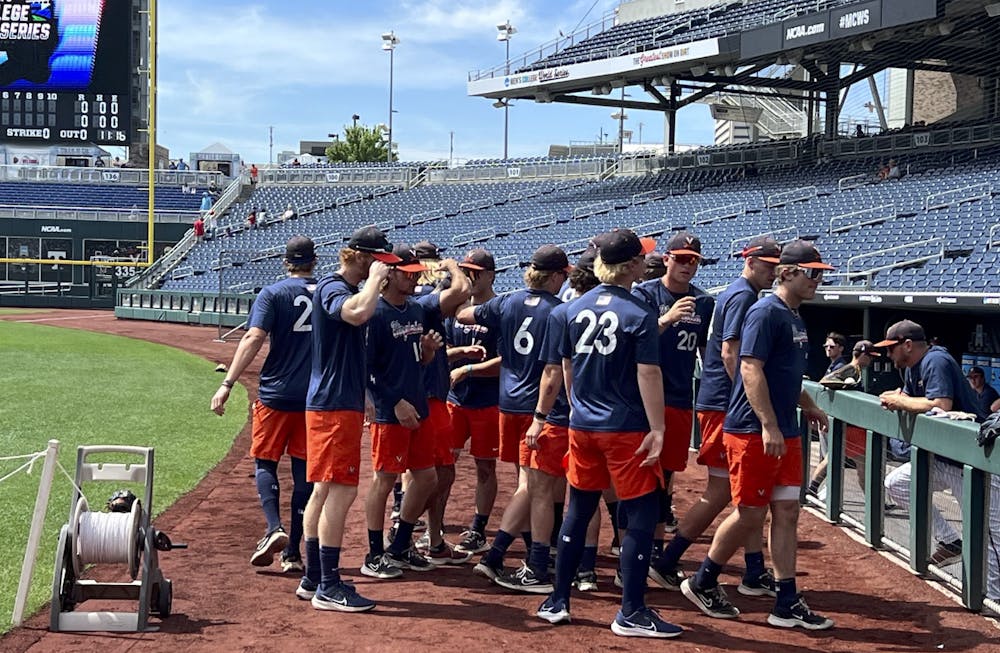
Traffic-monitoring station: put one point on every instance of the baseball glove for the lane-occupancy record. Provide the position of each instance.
(121, 501)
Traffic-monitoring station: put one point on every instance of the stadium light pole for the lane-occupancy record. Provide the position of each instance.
(389, 42)
(504, 33)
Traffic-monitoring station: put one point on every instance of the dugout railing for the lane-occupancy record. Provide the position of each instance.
(205, 308)
(929, 437)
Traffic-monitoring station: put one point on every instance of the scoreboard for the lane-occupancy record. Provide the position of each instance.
(65, 71)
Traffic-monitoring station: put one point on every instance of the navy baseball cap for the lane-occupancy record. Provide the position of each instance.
(479, 259)
(427, 249)
(765, 248)
(408, 260)
(586, 260)
(374, 242)
(300, 250)
(901, 332)
(549, 258)
(621, 245)
(804, 254)
(684, 242)
(975, 369)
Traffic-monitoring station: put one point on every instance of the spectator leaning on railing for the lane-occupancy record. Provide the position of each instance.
(933, 380)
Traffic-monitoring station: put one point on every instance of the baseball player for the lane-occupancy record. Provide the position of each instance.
(718, 371)
(475, 392)
(519, 318)
(548, 438)
(399, 346)
(440, 296)
(762, 439)
(933, 379)
(282, 314)
(335, 411)
(684, 312)
(610, 357)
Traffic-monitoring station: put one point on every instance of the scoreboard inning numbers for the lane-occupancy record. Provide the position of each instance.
(64, 117)
(65, 71)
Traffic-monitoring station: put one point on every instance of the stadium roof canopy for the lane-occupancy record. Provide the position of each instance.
(681, 58)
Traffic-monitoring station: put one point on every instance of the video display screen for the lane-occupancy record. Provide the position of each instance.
(65, 71)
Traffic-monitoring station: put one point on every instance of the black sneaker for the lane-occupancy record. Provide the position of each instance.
(763, 585)
(291, 563)
(946, 553)
(554, 612)
(472, 542)
(342, 597)
(644, 623)
(378, 566)
(798, 615)
(586, 581)
(524, 580)
(269, 546)
(712, 602)
(306, 589)
(486, 568)
(668, 580)
(409, 559)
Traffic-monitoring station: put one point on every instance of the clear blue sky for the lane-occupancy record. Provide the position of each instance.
(230, 70)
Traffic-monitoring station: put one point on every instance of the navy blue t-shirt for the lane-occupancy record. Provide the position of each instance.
(473, 391)
(436, 379)
(608, 333)
(775, 334)
(338, 377)
(731, 308)
(284, 311)
(679, 342)
(835, 365)
(555, 331)
(519, 318)
(394, 367)
(937, 375)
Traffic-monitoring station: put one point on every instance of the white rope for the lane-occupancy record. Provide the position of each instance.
(28, 465)
(104, 537)
(70, 479)
(37, 454)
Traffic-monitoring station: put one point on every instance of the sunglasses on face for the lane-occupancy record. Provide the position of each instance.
(685, 259)
(815, 274)
(830, 346)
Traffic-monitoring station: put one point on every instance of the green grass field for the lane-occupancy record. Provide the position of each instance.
(86, 388)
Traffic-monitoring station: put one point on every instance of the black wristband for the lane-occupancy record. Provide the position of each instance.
(541, 417)
(229, 384)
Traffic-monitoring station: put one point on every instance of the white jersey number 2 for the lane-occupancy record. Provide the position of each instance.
(599, 332)
(303, 322)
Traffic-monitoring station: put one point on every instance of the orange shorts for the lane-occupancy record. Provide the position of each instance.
(855, 442)
(277, 431)
(754, 475)
(713, 450)
(513, 426)
(598, 459)
(553, 443)
(676, 438)
(439, 423)
(396, 448)
(482, 425)
(333, 446)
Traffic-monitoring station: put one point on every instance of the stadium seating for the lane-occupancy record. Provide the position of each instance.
(95, 196)
(717, 20)
(856, 227)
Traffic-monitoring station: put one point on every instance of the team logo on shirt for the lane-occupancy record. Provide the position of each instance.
(473, 328)
(687, 319)
(405, 329)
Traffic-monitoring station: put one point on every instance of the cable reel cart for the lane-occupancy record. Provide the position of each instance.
(111, 538)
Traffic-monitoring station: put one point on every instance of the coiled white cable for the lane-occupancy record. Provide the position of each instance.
(104, 537)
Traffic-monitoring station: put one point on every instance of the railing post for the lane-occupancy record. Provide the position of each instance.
(835, 471)
(975, 489)
(875, 489)
(920, 509)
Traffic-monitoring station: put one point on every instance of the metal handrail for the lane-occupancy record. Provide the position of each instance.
(983, 190)
(893, 214)
(894, 248)
(109, 176)
(473, 236)
(728, 211)
(794, 195)
(774, 234)
(853, 181)
(990, 242)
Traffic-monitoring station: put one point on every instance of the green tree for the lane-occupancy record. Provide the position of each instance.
(359, 144)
